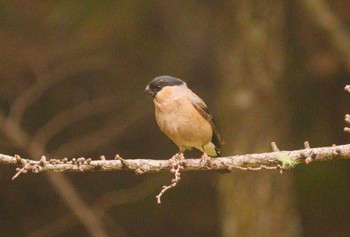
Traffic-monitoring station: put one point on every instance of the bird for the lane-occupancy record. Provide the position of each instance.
(184, 117)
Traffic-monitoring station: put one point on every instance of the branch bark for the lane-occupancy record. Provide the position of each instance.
(279, 160)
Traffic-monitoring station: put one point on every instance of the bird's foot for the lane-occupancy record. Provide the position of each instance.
(180, 156)
(177, 159)
(206, 160)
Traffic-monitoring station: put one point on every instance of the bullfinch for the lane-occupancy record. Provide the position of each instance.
(183, 116)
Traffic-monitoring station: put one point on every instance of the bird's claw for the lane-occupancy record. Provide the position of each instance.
(178, 158)
(206, 160)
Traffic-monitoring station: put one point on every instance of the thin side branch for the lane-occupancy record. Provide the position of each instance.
(271, 160)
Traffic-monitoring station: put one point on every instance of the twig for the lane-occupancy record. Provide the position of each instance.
(20, 171)
(176, 167)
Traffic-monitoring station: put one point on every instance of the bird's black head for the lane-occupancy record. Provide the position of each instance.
(158, 83)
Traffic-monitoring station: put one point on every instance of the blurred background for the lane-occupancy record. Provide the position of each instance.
(72, 75)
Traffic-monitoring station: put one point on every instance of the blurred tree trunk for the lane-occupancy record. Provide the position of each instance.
(253, 59)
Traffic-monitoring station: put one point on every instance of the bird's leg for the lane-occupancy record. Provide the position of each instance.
(206, 160)
(177, 157)
(180, 155)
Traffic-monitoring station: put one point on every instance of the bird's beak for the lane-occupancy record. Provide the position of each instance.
(149, 92)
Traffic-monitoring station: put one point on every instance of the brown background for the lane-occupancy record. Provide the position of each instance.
(72, 75)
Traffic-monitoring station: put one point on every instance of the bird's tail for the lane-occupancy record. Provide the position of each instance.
(210, 149)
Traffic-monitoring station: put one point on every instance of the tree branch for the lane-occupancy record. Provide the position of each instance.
(273, 160)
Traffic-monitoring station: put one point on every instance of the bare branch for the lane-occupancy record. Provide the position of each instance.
(277, 160)
(255, 161)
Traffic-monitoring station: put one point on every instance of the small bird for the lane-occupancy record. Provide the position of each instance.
(184, 117)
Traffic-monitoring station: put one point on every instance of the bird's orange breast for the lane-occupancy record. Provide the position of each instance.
(180, 120)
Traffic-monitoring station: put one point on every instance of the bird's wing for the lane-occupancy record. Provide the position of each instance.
(202, 108)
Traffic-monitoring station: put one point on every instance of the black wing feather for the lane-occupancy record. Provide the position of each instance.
(202, 108)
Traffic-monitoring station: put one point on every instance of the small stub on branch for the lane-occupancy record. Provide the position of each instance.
(347, 88)
(43, 160)
(309, 155)
(125, 163)
(347, 118)
(274, 147)
(23, 163)
(306, 145)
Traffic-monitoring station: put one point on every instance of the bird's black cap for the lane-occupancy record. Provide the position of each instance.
(162, 81)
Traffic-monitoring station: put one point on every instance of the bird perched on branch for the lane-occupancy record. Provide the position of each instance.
(183, 116)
